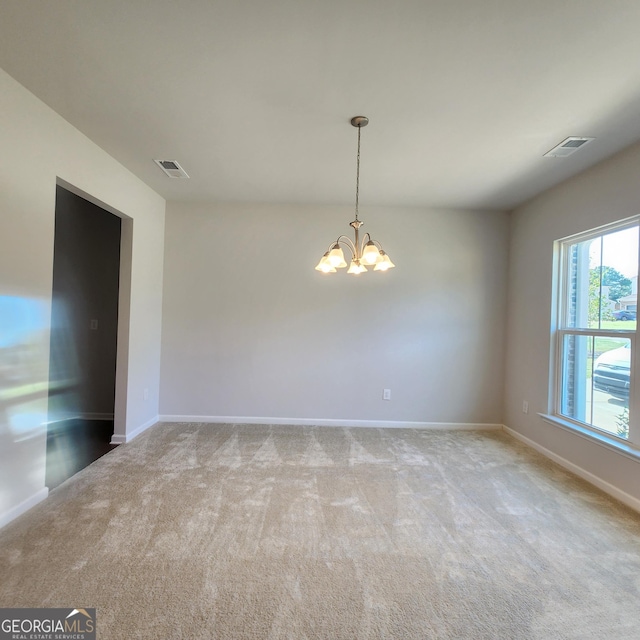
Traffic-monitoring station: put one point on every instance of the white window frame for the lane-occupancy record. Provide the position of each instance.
(560, 329)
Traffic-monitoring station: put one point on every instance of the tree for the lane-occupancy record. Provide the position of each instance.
(618, 284)
(622, 421)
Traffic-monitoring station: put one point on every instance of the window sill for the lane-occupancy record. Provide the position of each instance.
(597, 437)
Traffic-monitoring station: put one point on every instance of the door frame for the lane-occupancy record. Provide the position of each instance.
(124, 310)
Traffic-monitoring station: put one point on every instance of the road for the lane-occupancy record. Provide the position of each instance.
(606, 410)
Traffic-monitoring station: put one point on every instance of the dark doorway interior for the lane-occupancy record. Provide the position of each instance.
(84, 319)
(74, 444)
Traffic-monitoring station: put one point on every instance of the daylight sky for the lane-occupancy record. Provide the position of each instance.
(619, 250)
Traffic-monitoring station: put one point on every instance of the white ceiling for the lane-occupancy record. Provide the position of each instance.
(254, 97)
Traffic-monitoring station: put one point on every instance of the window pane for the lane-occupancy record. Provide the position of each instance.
(595, 381)
(602, 281)
(620, 277)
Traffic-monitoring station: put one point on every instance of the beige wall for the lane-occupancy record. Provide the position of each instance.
(606, 193)
(39, 148)
(252, 331)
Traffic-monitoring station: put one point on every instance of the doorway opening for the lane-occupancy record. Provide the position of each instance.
(84, 335)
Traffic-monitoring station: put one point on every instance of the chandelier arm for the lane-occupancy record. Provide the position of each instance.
(365, 238)
(345, 240)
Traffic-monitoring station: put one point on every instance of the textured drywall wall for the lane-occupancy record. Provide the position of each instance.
(604, 194)
(40, 150)
(250, 329)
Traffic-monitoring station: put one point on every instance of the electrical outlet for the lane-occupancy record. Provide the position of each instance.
(525, 406)
(93, 325)
(386, 394)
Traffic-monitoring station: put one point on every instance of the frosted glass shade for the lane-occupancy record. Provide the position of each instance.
(371, 253)
(336, 257)
(356, 268)
(384, 264)
(324, 265)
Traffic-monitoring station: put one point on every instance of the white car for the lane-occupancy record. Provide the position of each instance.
(612, 372)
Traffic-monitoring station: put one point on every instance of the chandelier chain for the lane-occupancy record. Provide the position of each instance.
(358, 173)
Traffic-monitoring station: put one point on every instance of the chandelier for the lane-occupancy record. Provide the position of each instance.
(369, 252)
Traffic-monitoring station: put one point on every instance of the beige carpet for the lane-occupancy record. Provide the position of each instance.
(218, 531)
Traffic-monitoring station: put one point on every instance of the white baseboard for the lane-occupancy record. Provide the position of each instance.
(612, 490)
(323, 422)
(117, 438)
(24, 506)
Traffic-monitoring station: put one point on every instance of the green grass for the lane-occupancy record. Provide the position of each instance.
(628, 325)
(606, 344)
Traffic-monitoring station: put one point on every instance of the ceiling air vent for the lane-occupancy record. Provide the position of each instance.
(172, 168)
(567, 147)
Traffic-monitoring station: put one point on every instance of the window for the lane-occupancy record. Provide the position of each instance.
(595, 341)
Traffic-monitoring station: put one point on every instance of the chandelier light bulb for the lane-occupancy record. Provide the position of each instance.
(371, 253)
(324, 265)
(336, 257)
(385, 263)
(356, 268)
